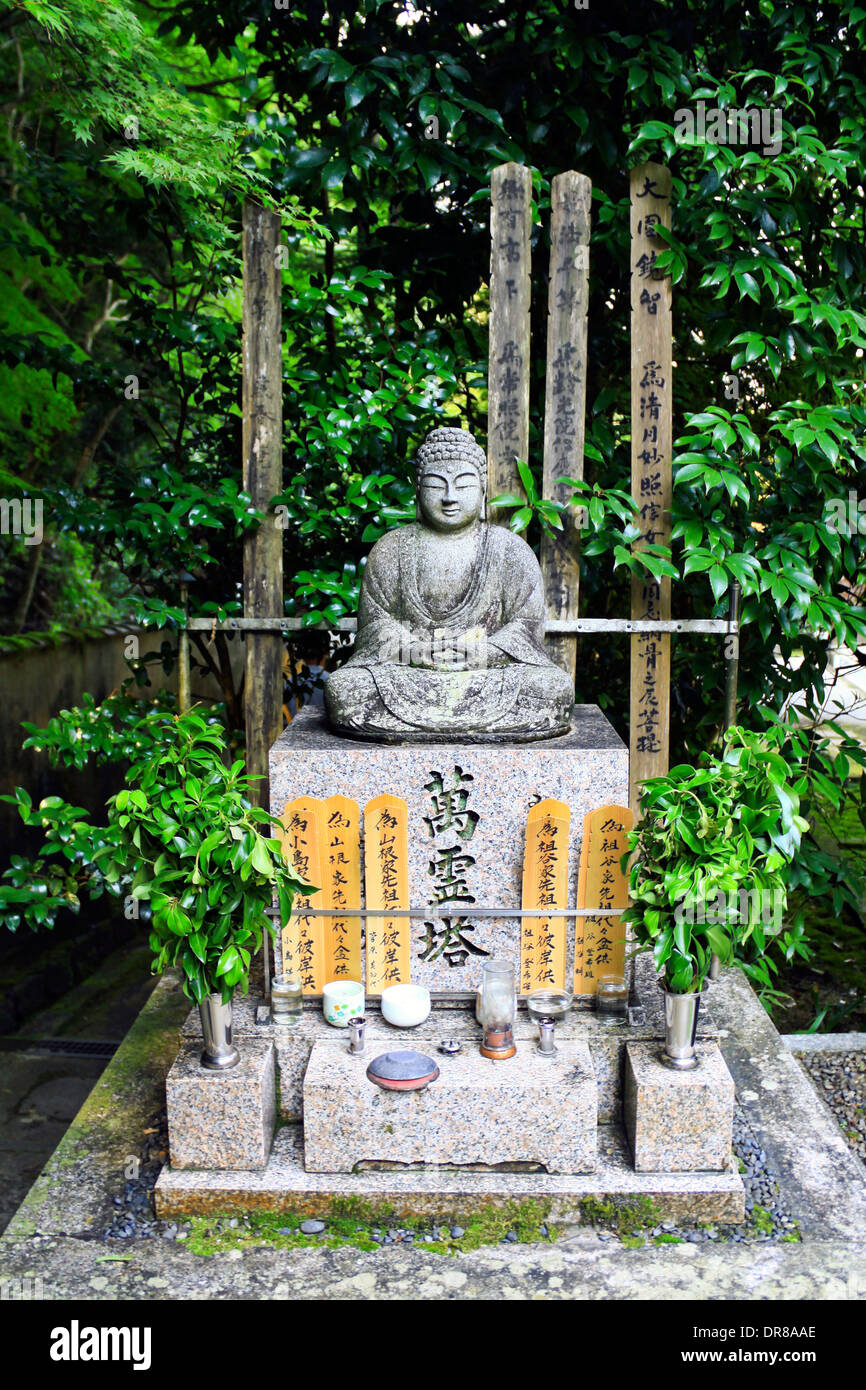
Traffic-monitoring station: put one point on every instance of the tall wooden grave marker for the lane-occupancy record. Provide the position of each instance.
(565, 397)
(651, 443)
(508, 373)
(262, 475)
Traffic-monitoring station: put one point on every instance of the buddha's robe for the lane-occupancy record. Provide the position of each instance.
(520, 693)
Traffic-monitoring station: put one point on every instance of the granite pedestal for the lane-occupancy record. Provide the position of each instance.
(456, 1190)
(586, 768)
(678, 1121)
(528, 1110)
(222, 1119)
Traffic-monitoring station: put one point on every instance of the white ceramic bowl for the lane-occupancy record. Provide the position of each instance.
(405, 1006)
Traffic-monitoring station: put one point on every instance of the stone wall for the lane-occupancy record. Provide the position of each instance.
(35, 684)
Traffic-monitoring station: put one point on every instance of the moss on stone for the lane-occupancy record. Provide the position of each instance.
(626, 1218)
(351, 1221)
(761, 1219)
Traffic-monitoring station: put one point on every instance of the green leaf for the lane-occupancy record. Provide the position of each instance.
(198, 943)
(527, 479)
(747, 285)
(261, 858)
(431, 170)
(228, 961)
(718, 581)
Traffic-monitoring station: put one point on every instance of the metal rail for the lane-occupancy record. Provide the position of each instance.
(554, 627)
(458, 911)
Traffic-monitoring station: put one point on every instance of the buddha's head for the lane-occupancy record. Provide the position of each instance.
(450, 480)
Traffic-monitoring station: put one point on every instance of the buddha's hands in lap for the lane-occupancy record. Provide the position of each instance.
(452, 650)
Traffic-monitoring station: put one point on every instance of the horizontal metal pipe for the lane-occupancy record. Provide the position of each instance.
(553, 627)
(457, 911)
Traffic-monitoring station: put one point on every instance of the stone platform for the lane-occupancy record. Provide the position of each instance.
(606, 1042)
(459, 1193)
(58, 1233)
(529, 1110)
(587, 768)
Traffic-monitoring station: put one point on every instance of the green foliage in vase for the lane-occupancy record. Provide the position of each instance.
(185, 827)
(711, 851)
(182, 840)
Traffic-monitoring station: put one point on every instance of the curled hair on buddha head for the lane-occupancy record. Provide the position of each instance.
(447, 447)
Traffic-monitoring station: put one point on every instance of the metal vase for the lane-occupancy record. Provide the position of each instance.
(681, 1025)
(216, 1027)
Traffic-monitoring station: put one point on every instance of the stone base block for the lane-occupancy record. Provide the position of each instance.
(527, 1110)
(586, 768)
(221, 1120)
(678, 1121)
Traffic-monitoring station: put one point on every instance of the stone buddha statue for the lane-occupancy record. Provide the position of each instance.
(451, 622)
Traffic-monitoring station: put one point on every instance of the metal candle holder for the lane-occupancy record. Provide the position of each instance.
(357, 1029)
(546, 1045)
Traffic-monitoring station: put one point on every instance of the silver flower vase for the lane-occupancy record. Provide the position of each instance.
(216, 1027)
(681, 1026)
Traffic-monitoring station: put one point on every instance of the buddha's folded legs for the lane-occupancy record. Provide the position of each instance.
(399, 703)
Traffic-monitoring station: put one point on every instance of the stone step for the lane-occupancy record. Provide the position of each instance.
(284, 1186)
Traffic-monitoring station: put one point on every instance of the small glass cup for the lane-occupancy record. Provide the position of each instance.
(498, 1007)
(611, 1000)
(287, 1001)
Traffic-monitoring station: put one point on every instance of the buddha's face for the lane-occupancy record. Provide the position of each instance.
(450, 496)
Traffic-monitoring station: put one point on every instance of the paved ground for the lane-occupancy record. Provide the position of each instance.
(41, 1093)
(39, 1097)
(578, 1267)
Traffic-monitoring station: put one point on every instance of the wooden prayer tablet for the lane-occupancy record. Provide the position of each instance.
(386, 877)
(302, 939)
(545, 884)
(341, 872)
(599, 942)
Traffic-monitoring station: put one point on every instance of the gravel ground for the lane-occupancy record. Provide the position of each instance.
(840, 1078)
(767, 1217)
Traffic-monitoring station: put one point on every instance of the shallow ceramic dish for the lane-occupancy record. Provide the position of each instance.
(402, 1071)
(405, 1006)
